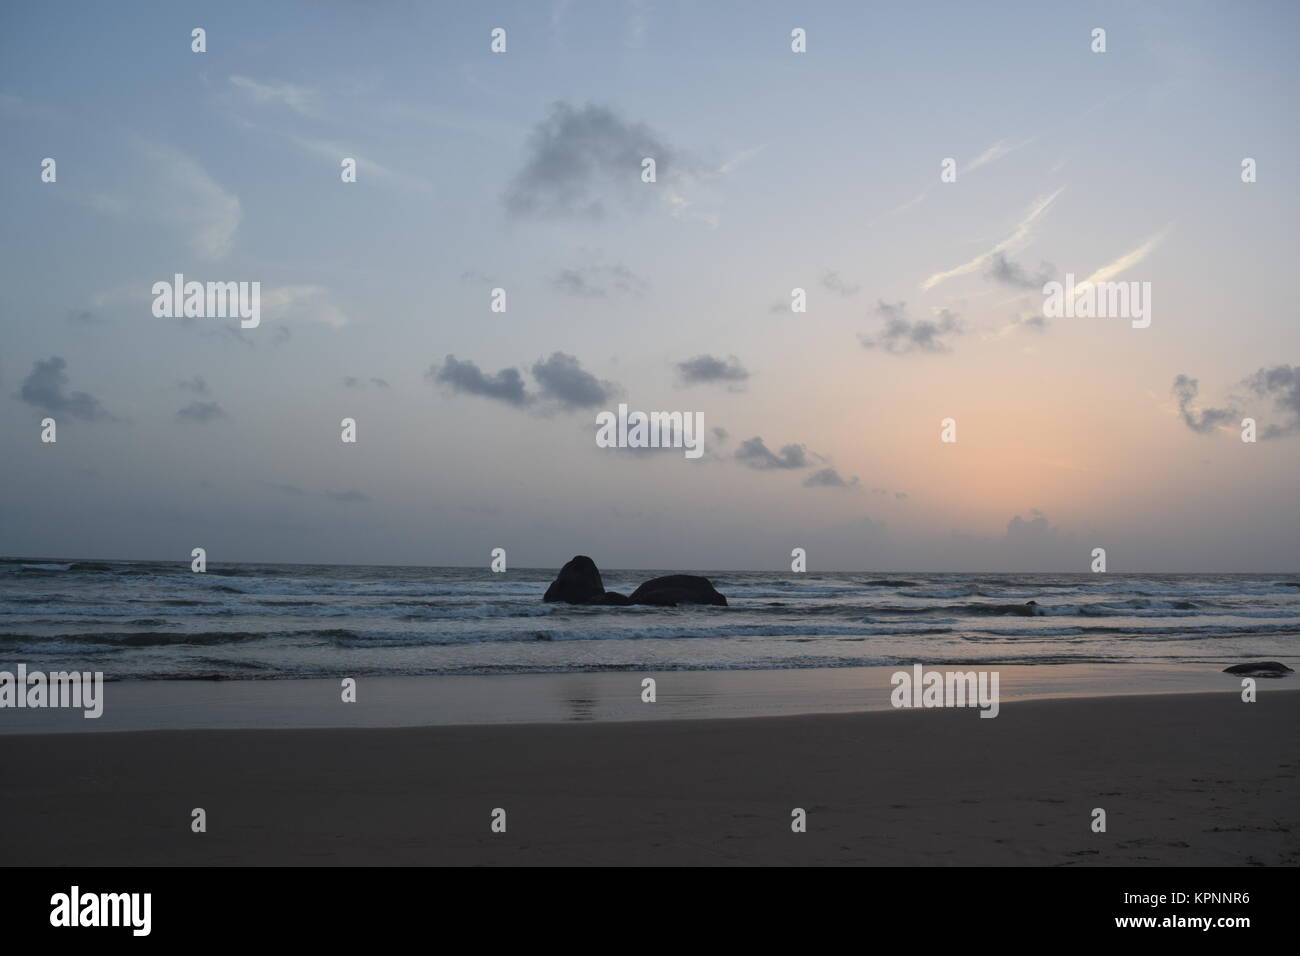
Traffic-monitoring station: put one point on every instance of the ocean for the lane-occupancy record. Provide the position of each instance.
(158, 620)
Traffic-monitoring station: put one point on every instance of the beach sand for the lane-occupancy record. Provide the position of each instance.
(1185, 779)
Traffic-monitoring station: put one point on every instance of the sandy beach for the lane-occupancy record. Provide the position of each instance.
(1185, 779)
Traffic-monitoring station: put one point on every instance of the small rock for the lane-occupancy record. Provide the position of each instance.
(1260, 669)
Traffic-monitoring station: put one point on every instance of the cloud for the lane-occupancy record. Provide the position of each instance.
(1122, 264)
(994, 153)
(302, 302)
(1021, 233)
(1281, 383)
(187, 196)
(45, 388)
(200, 412)
(351, 495)
(1205, 421)
(708, 369)
(300, 99)
(832, 281)
(506, 385)
(754, 454)
(284, 489)
(562, 380)
(902, 335)
(1033, 323)
(367, 165)
(1035, 532)
(1004, 270)
(829, 478)
(198, 385)
(744, 156)
(351, 381)
(600, 281)
(583, 162)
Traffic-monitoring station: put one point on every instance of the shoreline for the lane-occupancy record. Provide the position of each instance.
(1185, 779)
(578, 697)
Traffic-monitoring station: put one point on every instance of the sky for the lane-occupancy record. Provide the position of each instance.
(775, 170)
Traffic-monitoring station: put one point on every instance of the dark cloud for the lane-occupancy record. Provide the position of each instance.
(1281, 383)
(708, 370)
(599, 282)
(582, 161)
(46, 387)
(829, 478)
(351, 381)
(198, 385)
(506, 385)
(1036, 530)
(1206, 420)
(284, 489)
(902, 334)
(754, 454)
(562, 380)
(347, 496)
(1004, 270)
(837, 285)
(200, 412)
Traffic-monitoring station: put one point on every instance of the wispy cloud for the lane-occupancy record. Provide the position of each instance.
(995, 152)
(302, 302)
(1021, 234)
(1122, 264)
(184, 194)
(367, 165)
(300, 99)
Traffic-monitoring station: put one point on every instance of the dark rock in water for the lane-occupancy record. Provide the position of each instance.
(1260, 669)
(674, 589)
(577, 583)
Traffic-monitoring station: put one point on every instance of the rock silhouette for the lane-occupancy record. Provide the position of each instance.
(579, 583)
(1260, 669)
(674, 589)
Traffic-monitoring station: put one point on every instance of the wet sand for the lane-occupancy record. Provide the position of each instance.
(1185, 779)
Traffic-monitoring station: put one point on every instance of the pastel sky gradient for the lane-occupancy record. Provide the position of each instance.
(777, 170)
